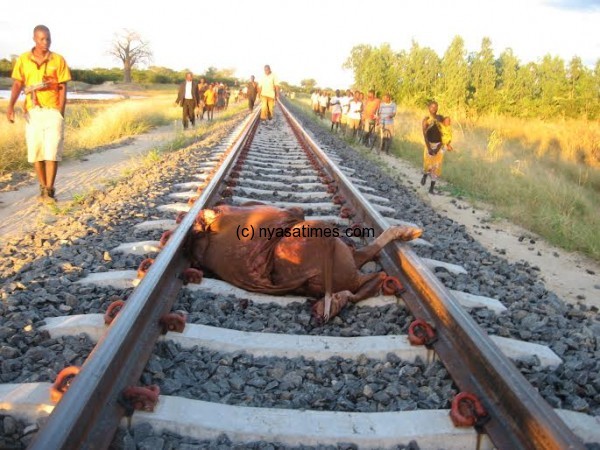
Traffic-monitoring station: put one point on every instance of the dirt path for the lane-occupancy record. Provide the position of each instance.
(572, 276)
(20, 210)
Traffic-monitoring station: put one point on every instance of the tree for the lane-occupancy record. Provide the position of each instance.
(483, 77)
(418, 71)
(454, 80)
(308, 85)
(129, 48)
(211, 74)
(581, 89)
(356, 63)
(226, 73)
(381, 71)
(528, 90)
(596, 90)
(507, 94)
(552, 78)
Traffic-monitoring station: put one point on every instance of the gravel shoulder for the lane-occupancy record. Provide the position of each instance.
(572, 276)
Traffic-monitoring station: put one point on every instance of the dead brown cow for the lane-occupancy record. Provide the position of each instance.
(226, 242)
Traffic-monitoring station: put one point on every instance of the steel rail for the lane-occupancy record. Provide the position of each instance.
(519, 417)
(90, 411)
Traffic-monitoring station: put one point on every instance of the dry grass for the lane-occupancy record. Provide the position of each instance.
(127, 118)
(568, 140)
(88, 126)
(544, 176)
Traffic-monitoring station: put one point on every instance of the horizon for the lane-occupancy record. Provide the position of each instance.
(314, 40)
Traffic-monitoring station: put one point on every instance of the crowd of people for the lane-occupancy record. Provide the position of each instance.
(43, 76)
(363, 116)
(200, 97)
(354, 112)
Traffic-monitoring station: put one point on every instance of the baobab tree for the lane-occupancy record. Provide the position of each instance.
(129, 48)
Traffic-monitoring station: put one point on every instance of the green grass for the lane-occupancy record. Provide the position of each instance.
(152, 157)
(539, 184)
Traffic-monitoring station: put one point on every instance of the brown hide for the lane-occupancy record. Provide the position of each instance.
(282, 265)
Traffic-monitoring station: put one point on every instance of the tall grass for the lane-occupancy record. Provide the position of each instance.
(566, 140)
(88, 126)
(544, 176)
(127, 118)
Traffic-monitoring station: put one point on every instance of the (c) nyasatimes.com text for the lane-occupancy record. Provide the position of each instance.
(246, 232)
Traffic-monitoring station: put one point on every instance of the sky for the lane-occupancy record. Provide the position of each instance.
(302, 39)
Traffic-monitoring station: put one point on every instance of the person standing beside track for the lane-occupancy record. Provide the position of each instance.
(354, 113)
(43, 75)
(385, 116)
(323, 103)
(202, 87)
(188, 98)
(370, 108)
(438, 136)
(251, 91)
(210, 98)
(268, 90)
(220, 97)
(314, 101)
(336, 111)
(345, 104)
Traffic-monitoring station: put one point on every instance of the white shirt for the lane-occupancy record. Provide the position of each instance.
(336, 106)
(345, 103)
(355, 109)
(188, 90)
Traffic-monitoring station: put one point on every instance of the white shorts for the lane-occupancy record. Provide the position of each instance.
(44, 134)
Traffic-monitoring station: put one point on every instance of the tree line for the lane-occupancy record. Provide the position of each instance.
(132, 50)
(479, 83)
(151, 75)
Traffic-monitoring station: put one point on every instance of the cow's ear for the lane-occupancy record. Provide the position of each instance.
(208, 216)
(199, 224)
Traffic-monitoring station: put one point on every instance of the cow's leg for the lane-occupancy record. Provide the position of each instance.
(369, 252)
(369, 287)
(338, 301)
(329, 247)
(253, 203)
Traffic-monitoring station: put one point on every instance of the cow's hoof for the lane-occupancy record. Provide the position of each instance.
(338, 301)
(405, 234)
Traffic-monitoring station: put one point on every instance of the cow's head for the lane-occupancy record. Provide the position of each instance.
(198, 242)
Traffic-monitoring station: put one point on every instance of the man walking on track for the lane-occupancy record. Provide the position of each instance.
(251, 90)
(268, 90)
(188, 98)
(43, 75)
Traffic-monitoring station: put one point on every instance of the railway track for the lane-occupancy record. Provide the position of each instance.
(255, 368)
